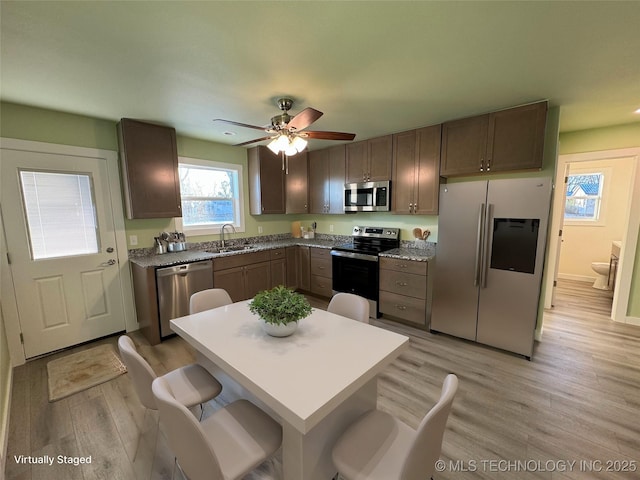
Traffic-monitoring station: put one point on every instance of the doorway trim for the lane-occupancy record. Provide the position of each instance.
(9, 305)
(629, 242)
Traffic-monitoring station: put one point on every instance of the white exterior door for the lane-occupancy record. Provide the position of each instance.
(62, 247)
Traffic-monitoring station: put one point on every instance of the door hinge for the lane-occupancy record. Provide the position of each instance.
(555, 283)
(21, 338)
(566, 180)
(8, 258)
(560, 233)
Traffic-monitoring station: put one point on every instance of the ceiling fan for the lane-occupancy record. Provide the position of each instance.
(286, 131)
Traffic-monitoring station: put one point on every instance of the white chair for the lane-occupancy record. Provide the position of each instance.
(208, 299)
(192, 384)
(351, 306)
(225, 446)
(380, 447)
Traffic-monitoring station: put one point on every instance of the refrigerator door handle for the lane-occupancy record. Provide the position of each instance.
(479, 243)
(485, 248)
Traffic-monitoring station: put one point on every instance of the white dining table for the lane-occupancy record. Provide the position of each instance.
(314, 382)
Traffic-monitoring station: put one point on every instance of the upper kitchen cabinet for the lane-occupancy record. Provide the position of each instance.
(297, 183)
(266, 181)
(369, 160)
(416, 179)
(150, 170)
(277, 184)
(326, 180)
(507, 140)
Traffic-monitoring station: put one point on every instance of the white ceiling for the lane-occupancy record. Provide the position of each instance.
(372, 67)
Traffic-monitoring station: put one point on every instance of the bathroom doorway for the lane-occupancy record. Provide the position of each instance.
(604, 208)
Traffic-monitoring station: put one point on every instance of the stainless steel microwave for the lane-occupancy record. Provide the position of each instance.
(367, 196)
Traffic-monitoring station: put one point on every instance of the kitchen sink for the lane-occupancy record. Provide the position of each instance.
(232, 248)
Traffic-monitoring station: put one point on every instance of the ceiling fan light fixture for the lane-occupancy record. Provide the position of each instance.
(287, 133)
(282, 141)
(273, 146)
(290, 150)
(299, 144)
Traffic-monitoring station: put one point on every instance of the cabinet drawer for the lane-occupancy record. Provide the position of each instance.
(404, 283)
(277, 253)
(405, 308)
(321, 266)
(321, 285)
(320, 252)
(407, 266)
(240, 260)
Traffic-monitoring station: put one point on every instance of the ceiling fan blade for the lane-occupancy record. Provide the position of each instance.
(238, 124)
(305, 118)
(331, 135)
(251, 141)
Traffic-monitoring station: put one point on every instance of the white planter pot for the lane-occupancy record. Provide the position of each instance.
(279, 330)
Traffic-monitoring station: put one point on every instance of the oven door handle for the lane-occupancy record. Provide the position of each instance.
(359, 256)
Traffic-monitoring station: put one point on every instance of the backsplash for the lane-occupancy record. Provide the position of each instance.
(337, 239)
(429, 247)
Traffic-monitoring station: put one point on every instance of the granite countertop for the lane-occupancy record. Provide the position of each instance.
(195, 255)
(415, 254)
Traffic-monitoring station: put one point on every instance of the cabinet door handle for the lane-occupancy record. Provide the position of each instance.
(488, 164)
(401, 284)
(401, 265)
(400, 307)
(482, 164)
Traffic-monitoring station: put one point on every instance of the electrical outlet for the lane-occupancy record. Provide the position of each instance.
(259, 229)
(133, 240)
(331, 228)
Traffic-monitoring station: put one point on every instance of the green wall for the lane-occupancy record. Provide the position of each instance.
(36, 124)
(610, 138)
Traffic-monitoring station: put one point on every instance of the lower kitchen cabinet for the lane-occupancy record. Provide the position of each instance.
(321, 271)
(244, 275)
(146, 300)
(292, 267)
(404, 290)
(278, 267)
(304, 264)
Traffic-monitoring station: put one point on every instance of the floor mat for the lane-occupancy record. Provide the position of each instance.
(82, 370)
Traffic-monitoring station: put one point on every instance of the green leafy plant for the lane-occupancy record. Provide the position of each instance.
(280, 306)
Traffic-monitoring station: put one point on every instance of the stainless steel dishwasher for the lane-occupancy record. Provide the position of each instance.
(175, 287)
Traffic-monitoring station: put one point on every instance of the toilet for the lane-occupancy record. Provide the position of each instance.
(602, 278)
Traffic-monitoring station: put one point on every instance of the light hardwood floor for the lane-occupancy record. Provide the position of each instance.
(578, 400)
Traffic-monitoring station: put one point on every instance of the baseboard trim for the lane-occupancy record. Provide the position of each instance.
(578, 278)
(4, 425)
(632, 321)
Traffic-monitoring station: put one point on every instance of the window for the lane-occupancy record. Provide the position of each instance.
(211, 196)
(584, 197)
(60, 214)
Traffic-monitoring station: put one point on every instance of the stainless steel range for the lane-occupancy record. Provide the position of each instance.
(355, 264)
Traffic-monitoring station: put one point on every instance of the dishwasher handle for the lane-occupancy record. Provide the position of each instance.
(184, 269)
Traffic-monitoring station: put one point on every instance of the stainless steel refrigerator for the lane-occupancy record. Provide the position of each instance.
(489, 260)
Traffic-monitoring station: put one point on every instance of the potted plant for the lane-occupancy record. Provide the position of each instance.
(280, 309)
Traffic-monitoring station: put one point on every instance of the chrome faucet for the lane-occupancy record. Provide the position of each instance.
(222, 232)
